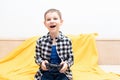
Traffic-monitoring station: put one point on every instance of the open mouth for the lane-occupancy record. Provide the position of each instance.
(52, 26)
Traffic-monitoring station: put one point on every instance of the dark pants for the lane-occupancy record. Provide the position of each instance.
(53, 76)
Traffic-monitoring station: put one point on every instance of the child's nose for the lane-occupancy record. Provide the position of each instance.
(52, 20)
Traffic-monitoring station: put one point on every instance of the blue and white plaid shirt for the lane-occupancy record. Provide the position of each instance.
(64, 50)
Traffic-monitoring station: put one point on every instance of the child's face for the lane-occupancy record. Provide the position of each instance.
(53, 22)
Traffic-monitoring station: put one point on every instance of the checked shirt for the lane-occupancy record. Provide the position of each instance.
(64, 50)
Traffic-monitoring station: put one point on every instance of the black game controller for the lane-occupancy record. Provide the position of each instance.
(55, 66)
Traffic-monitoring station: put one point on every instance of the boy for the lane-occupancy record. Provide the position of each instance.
(54, 48)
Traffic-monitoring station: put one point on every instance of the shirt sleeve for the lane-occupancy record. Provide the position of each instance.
(38, 58)
(70, 58)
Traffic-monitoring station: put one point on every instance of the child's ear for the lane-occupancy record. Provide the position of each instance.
(44, 23)
(61, 21)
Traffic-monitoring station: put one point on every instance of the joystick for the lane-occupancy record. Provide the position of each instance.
(55, 66)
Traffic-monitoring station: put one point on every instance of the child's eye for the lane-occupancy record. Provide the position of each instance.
(55, 18)
(48, 19)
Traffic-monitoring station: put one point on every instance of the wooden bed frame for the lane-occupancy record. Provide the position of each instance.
(108, 49)
(108, 52)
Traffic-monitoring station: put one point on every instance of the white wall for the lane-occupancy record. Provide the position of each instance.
(24, 18)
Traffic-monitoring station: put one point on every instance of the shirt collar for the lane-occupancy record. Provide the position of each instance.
(60, 36)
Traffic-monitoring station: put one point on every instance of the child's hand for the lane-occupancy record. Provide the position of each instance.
(64, 68)
(43, 66)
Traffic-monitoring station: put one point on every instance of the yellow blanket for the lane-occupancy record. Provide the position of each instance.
(20, 63)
